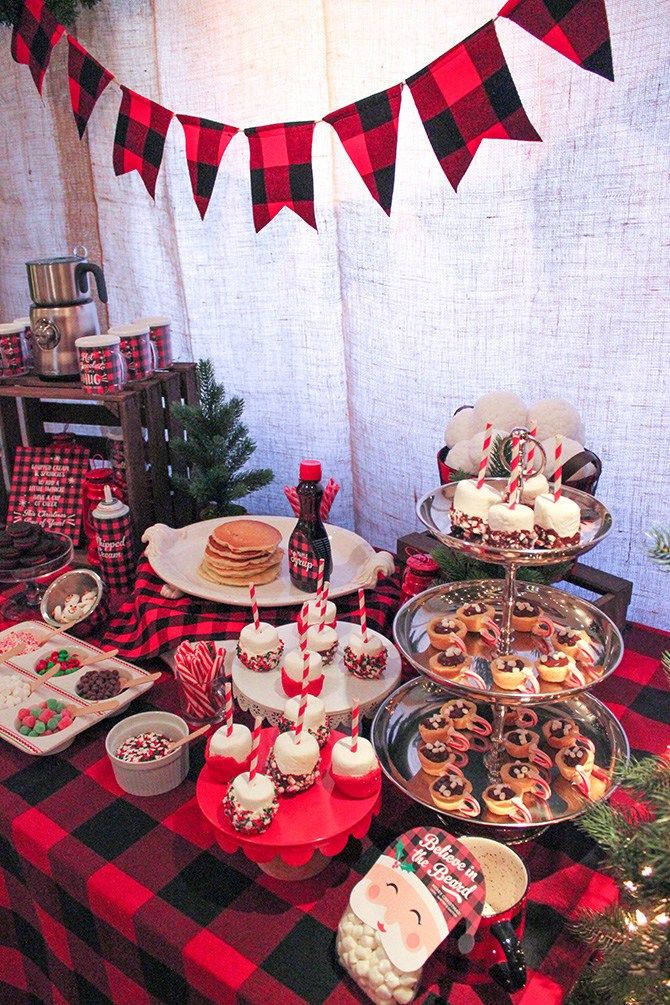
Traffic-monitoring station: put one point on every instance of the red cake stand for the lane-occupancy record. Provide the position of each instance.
(308, 829)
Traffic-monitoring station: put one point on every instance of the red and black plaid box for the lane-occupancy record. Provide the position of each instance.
(35, 34)
(87, 79)
(281, 171)
(465, 96)
(368, 130)
(139, 141)
(577, 29)
(115, 542)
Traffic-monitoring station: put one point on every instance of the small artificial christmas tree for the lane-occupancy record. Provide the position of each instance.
(216, 449)
(631, 937)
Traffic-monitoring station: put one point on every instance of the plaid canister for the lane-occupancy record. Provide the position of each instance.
(102, 367)
(138, 350)
(15, 358)
(159, 333)
(117, 456)
(116, 544)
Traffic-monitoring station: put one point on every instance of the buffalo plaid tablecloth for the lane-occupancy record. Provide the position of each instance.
(106, 897)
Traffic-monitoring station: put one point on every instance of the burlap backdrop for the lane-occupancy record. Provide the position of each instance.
(546, 274)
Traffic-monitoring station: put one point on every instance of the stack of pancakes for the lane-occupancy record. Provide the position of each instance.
(241, 552)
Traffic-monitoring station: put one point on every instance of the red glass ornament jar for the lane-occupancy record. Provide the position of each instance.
(420, 573)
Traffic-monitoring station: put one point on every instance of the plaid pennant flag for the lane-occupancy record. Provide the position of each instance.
(465, 96)
(577, 29)
(141, 129)
(368, 130)
(206, 143)
(87, 79)
(281, 171)
(35, 34)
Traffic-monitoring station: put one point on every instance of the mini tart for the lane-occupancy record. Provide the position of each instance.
(517, 742)
(554, 667)
(459, 712)
(263, 662)
(524, 777)
(509, 672)
(569, 640)
(449, 790)
(474, 614)
(576, 755)
(525, 615)
(498, 798)
(434, 756)
(560, 732)
(450, 662)
(442, 630)
(435, 727)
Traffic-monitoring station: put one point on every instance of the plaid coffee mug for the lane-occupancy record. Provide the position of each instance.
(138, 349)
(102, 367)
(15, 355)
(159, 333)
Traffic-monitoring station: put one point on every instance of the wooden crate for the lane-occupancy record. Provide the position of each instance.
(26, 407)
(611, 594)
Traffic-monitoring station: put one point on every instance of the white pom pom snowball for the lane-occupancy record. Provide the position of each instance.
(570, 448)
(502, 408)
(475, 444)
(460, 427)
(555, 415)
(458, 457)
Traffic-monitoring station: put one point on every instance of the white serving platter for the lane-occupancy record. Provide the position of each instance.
(175, 555)
(63, 688)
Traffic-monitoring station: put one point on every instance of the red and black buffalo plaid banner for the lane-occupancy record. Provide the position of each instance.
(368, 130)
(465, 96)
(206, 143)
(577, 29)
(141, 129)
(88, 79)
(281, 171)
(36, 32)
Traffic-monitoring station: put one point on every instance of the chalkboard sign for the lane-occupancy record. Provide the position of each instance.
(46, 487)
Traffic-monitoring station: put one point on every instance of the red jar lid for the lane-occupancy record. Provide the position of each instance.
(310, 471)
(422, 563)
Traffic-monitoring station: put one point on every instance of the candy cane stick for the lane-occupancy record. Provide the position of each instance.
(558, 469)
(255, 741)
(355, 716)
(363, 615)
(486, 450)
(319, 580)
(530, 457)
(228, 693)
(254, 607)
(324, 604)
(490, 633)
(301, 715)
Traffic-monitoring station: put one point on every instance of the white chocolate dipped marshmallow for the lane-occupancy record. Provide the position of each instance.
(534, 487)
(471, 505)
(354, 763)
(557, 521)
(237, 745)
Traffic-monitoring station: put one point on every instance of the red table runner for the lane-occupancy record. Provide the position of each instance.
(106, 897)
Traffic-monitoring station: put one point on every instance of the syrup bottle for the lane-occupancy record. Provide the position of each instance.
(309, 543)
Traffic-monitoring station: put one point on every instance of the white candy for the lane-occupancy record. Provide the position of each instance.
(384, 995)
(376, 976)
(474, 502)
(361, 952)
(460, 427)
(385, 966)
(534, 487)
(392, 981)
(404, 994)
(562, 516)
(503, 517)
(362, 968)
(259, 642)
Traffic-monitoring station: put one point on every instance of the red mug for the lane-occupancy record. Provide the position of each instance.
(159, 332)
(138, 349)
(497, 952)
(102, 367)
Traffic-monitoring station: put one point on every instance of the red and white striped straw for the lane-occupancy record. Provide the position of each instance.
(305, 668)
(486, 450)
(301, 715)
(254, 607)
(355, 718)
(558, 469)
(363, 615)
(255, 741)
(319, 580)
(303, 626)
(513, 485)
(228, 696)
(324, 604)
(530, 456)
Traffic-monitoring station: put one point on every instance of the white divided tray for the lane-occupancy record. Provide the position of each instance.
(62, 688)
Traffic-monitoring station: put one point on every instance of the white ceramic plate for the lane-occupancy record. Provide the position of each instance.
(175, 555)
(262, 693)
(61, 688)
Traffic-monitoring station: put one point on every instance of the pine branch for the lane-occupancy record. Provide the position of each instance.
(456, 566)
(659, 547)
